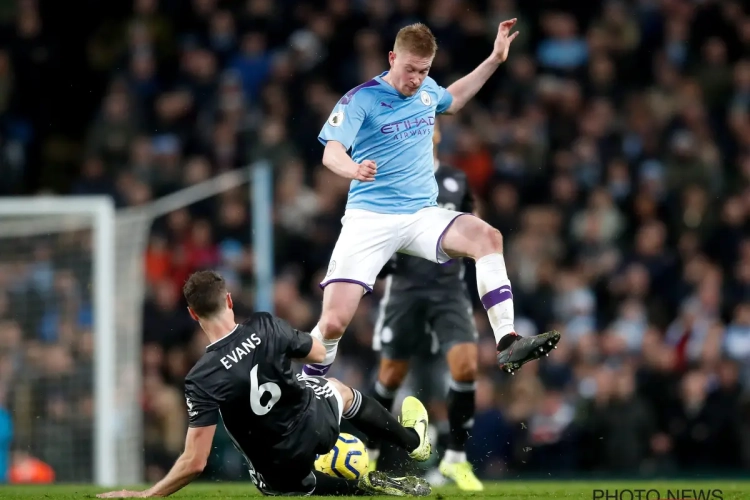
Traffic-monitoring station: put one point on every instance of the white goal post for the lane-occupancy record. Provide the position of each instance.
(107, 257)
(98, 213)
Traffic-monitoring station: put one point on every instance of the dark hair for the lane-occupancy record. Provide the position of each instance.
(205, 292)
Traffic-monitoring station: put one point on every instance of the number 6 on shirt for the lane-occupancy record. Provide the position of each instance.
(257, 392)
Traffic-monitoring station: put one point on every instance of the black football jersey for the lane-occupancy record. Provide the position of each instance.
(246, 377)
(411, 273)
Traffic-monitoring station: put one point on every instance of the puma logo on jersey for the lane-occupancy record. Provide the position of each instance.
(240, 351)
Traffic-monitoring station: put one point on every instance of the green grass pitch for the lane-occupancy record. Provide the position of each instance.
(510, 490)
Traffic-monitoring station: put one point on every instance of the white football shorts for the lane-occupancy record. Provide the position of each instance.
(368, 240)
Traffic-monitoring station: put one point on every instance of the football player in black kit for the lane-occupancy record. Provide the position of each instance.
(424, 303)
(277, 420)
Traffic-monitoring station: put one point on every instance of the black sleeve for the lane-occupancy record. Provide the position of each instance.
(294, 343)
(203, 410)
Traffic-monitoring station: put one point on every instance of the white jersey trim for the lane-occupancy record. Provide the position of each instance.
(225, 336)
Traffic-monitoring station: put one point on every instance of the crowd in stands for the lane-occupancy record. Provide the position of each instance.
(612, 150)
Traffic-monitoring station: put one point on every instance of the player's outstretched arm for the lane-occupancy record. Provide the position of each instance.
(468, 86)
(189, 466)
(317, 352)
(339, 162)
(298, 345)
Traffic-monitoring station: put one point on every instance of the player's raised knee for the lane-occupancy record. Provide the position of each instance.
(487, 240)
(472, 237)
(490, 240)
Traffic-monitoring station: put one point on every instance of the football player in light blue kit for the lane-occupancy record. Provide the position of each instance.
(386, 125)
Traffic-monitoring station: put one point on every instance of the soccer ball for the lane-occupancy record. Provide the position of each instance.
(348, 458)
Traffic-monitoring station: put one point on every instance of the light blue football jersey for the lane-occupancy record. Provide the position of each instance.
(375, 122)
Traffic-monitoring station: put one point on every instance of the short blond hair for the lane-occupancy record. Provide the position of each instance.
(416, 39)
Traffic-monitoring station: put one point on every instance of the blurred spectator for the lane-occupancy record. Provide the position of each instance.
(252, 63)
(617, 414)
(691, 424)
(737, 340)
(549, 436)
(564, 49)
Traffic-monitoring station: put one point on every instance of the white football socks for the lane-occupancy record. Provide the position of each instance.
(332, 346)
(454, 457)
(494, 289)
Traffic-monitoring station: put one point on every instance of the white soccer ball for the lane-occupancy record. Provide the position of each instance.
(348, 458)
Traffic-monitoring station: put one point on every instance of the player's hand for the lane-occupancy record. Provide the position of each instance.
(366, 171)
(123, 494)
(503, 40)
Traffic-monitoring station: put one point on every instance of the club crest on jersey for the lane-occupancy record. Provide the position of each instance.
(425, 98)
(336, 119)
(331, 268)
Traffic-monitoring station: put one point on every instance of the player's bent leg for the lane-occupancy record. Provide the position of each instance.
(391, 376)
(462, 363)
(340, 302)
(366, 242)
(472, 237)
(370, 417)
(346, 394)
(440, 235)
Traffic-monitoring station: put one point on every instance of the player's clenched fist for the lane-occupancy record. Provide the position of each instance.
(366, 171)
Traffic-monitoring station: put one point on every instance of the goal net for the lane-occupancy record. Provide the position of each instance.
(58, 366)
(73, 285)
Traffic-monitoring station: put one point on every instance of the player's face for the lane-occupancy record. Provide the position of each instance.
(408, 71)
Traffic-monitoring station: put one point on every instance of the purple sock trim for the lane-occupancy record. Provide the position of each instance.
(316, 370)
(494, 297)
(368, 288)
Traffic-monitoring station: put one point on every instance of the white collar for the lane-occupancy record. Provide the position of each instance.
(222, 338)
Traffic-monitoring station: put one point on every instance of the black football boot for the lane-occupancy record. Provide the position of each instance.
(514, 351)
